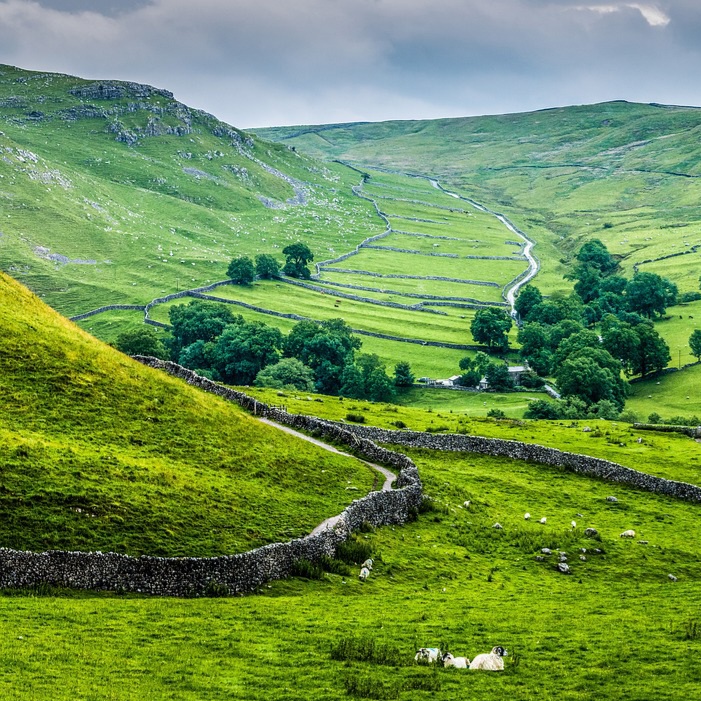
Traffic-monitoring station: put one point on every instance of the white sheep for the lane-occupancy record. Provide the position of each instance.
(628, 534)
(427, 654)
(457, 662)
(492, 662)
(466, 504)
(543, 520)
(573, 524)
(364, 573)
(368, 563)
(526, 515)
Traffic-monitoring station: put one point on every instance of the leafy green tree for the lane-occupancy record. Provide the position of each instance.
(379, 386)
(298, 257)
(695, 344)
(650, 295)
(352, 382)
(576, 342)
(241, 271)
(403, 376)
(498, 377)
(243, 350)
(491, 327)
(595, 255)
(563, 330)
(141, 341)
(196, 356)
(653, 351)
(588, 282)
(288, 372)
(326, 347)
(528, 298)
(198, 321)
(267, 267)
(621, 341)
(472, 374)
(592, 374)
(542, 409)
(605, 409)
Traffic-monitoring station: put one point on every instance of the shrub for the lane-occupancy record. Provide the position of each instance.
(355, 418)
(365, 649)
(437, 429)
(353, 551)
(496, 414)
(307, 569)
(654, 418)
(214, 589)
(399, 424)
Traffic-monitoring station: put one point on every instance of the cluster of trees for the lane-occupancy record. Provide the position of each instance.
(321, 357)
(495, 372)
(243, 271)
(557, 338)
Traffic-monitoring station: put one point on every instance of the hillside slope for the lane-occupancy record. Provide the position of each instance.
(101, 453)
(629, 174)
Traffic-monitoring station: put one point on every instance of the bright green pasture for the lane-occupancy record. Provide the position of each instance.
(450, 579)
(675, 394)
(418, 286)
(669, 455)
(100, 452)
(108, 325)
(386, 262)
(679, 323)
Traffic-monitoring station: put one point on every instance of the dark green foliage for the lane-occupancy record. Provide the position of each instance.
(695, 343)
(654, 418)
(380, 387)
(352, 383)
(241, 271)
(496, 414)
(354, 551)
(365, 649)
(491, 327)
(199, 321)
(531, 380)
(535, 341)
(596, 256)
(542, 409)
(528, 298)
(243, 350)
(307, 569)
(267, 266)
(592, 375)
(298, 257)
(403, 376)
(650, 295)
(196, 355)
(653, 352)
(498, 378)
(288, 372)
(215, 590)
(141, 341)
(355, 418)
(686, 297)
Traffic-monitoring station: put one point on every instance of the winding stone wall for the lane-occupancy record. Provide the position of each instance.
(498, 447)
(239, 574)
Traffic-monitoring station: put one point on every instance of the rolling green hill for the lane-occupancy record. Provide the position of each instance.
(626, 173)
(101, 453)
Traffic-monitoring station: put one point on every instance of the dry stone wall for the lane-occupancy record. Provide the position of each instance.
(235, 574)
(580, 464)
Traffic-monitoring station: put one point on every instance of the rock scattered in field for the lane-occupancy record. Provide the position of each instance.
(591, 533)
(546, 551)
(671, 578)
(563, 568)
(498, 526)
(613, 500)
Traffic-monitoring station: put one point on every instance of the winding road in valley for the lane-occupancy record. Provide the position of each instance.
(533, 265)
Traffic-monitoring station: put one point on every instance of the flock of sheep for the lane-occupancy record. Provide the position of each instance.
(489, 661)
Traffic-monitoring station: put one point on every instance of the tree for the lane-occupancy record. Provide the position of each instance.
(352, 383)
(141, 341)
(542, 409)
(326, 347)
(621, 341)
(576, 342)
(695, 344)
(595, 255)
(198, 321)
(498, 377)
(288, 372)
(298, 256)
(196, 356)
(653, 351)
(472, 373)
(243, 350)
(267, 267)
(528, 298)
(403, 376)
(241, 271)
(379, 386)
(491, 327)
(592, 374)
(649, 294)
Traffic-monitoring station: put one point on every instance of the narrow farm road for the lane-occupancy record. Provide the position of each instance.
(389, 477)
(533, 265)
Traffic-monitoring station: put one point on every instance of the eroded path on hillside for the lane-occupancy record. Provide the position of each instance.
(389, 477)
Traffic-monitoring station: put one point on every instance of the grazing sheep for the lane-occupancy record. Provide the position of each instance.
(364, 573)
(526, 515)
(573, 524)
(628, 534)
(493, 662)
(457, 662)
(466, 504)
(368, 563)
(427, 654)
(543, 520)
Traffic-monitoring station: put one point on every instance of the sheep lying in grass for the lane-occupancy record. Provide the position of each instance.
(457, 662)
(628, 534)
(493, 662)
(428, 655)
(368, 563)
(364, 573)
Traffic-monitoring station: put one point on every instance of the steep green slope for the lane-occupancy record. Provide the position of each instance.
(101, 453)
(114, 192)
(629, 174)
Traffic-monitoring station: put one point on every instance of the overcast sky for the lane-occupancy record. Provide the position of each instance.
(274, 62)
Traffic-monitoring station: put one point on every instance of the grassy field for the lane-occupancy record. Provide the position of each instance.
(675, 394)
(450, 579)
(100, 452)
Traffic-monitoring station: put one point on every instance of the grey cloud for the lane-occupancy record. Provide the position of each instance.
(274, 62)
